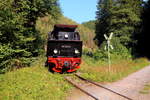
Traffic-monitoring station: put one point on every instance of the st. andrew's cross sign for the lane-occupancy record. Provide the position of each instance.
(108, 47)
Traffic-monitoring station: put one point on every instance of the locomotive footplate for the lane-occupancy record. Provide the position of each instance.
(61, 64)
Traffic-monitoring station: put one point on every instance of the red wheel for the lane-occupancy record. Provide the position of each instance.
(57, 69)
(71, 70)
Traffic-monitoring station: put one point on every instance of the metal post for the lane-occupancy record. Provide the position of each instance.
(108, 47)
(109, 63)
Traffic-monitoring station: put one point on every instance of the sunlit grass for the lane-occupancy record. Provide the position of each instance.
(99, 70)
(33, 83)
(146, 89)
(37, 83)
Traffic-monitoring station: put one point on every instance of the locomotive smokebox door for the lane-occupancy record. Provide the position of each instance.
(64, 48)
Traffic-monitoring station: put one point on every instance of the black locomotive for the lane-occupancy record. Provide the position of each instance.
(64, 48)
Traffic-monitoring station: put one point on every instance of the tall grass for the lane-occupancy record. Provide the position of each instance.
(98, 70)
(33, 83)
(37, 83)
(146, 89)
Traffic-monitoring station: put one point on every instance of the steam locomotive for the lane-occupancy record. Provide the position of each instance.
(64, 49)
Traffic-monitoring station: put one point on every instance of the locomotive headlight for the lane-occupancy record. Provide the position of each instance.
(76, 51)
(55, 51)
(66, 36)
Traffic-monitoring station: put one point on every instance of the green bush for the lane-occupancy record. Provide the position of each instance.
(118, 52)
(5, 57)
(118, 48)
(11, 59)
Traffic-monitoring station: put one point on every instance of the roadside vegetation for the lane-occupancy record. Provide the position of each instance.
(33, 83)
(37, 83)
(98, 70)
(95, 65)
(146, 89)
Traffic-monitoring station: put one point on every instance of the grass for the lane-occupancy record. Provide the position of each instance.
(37, 83)
(146, 89)
(99, 70)
(33, 83)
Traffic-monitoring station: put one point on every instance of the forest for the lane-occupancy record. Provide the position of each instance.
(24, 25)
(22, 38)
(128, 20)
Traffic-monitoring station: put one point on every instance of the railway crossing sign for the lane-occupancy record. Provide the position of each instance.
(108, 47)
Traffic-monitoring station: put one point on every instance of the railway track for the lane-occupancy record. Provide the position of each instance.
(85, 81)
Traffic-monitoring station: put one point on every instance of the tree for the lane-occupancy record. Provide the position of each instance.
(17, 29)
(103, 19)
(122, 17)
(90, 24)
(143, 37)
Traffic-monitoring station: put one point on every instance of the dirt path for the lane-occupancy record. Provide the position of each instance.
(129, 86)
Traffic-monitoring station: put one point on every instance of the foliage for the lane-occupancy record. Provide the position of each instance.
(45, 25)
(146, 89)
(33, 83)
(122, 17)
(10, 58)
(98, 70)
(143, 38)
(103, 20)
(90, 24)
(37, 82)
(19, 38)
(118, 48)
(101, 55)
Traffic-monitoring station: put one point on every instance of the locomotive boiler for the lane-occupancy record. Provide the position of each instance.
(64, 49)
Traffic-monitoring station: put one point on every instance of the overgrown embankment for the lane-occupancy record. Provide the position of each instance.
(95, 65)
(33, 83)
(37, 82)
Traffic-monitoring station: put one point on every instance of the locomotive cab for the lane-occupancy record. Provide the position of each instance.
(64, 32)
(64, 49)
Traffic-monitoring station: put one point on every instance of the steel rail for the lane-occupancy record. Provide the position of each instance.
(89, 94)
(102, 87)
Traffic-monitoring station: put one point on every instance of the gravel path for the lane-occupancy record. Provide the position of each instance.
(129, 86)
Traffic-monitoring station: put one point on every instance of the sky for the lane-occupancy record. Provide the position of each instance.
(79, 10)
